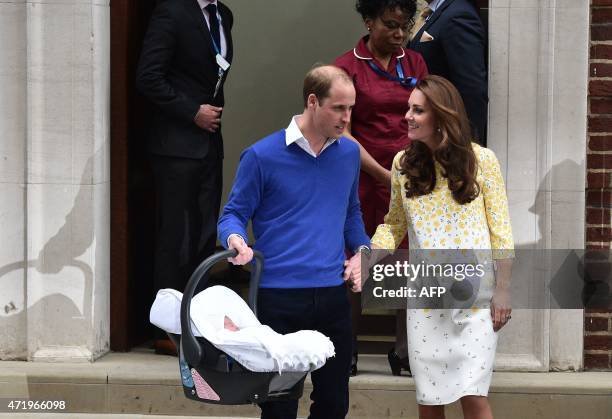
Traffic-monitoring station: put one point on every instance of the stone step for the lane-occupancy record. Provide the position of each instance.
(96, 416)
(141, 383)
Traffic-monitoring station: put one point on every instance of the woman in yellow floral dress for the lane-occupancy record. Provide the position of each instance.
(448, 193)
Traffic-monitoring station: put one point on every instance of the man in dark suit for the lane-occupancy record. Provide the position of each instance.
(453, 43)
(185, 59)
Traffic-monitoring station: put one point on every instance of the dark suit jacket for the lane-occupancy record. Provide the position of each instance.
(458, 52)
(178, 72)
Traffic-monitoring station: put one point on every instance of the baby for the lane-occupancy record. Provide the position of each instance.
(228, 324)
(257, 347)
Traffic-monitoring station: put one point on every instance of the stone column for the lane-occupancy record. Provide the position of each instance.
(12, 178)
(538, 90)
(59, 141)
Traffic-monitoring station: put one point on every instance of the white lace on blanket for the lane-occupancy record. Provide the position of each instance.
(257, 347)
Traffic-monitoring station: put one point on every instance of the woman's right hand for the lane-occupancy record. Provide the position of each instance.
(369, 164)
(384, 176)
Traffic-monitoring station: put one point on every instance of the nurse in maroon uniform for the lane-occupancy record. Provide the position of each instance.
(384, 73)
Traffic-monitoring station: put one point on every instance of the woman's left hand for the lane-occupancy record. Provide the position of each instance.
(500, 308)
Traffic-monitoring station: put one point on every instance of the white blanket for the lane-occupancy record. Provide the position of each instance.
(257, 347)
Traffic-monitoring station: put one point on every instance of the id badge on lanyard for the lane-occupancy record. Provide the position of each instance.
(223, 67)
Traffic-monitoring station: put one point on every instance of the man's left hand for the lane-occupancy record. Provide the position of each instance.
(352, 272)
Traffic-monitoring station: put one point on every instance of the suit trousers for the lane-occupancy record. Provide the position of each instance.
(326, 310)
(188, 201)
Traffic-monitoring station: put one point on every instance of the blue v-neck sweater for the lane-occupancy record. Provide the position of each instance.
(305, 210)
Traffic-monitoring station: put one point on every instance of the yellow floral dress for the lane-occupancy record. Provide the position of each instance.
(451, 350)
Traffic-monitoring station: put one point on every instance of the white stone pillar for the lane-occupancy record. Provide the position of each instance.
(12, 178)
(68, 199)
(537, 120)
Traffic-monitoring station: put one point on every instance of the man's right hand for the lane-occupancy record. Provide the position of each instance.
(208, 118)
(245, 253)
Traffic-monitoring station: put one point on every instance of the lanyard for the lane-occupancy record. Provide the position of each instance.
(406, 82)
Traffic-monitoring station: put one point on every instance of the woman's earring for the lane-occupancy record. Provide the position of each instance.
(369, 29)
(438, 129)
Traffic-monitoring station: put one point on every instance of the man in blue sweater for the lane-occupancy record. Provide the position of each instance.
(298, 187)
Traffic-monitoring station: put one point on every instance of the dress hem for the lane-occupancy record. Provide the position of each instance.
(453, 400)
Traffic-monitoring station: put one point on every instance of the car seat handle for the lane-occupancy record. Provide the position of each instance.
(191, 348)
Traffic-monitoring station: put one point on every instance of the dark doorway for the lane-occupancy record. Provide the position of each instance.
(132, 197)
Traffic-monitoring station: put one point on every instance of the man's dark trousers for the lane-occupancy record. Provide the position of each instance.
(188, 202)
(326, 310)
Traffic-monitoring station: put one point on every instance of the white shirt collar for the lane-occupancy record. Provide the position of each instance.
(293, 134)
(435, 4)
(204, 3)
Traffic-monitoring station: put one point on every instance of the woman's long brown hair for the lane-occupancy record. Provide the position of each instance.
(454, 152)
